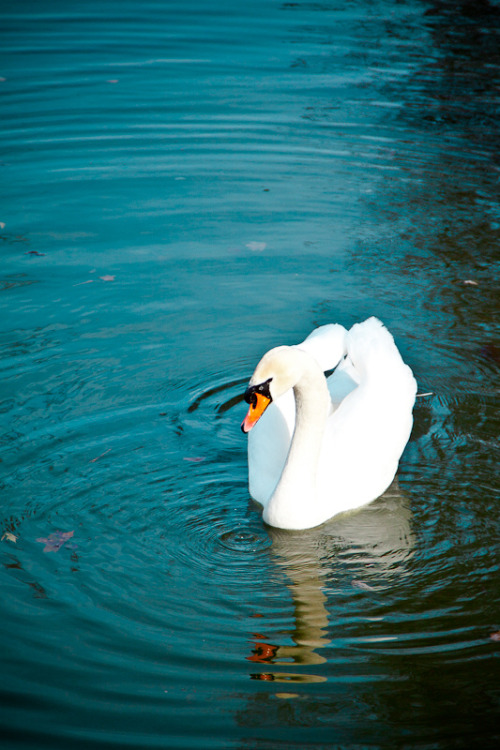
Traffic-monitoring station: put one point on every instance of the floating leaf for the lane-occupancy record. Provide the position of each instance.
(107, 278)
(495, 636)
(9, 537)
(34, 252)
(194, 459)
(471, 282)
(56, 540)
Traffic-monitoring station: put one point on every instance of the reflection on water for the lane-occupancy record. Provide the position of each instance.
(378, 539)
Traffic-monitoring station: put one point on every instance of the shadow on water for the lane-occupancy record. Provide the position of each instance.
(441, 218)
(458, 87)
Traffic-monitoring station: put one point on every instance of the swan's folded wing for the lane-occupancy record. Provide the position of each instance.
(327, 344)
(342, 381)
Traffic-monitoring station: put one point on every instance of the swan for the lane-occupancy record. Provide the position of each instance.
(320, 446)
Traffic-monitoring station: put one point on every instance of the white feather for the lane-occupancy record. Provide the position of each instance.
(327, 446)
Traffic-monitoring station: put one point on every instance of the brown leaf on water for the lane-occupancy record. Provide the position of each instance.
(495, 636)
(56, 540)
(107, 278)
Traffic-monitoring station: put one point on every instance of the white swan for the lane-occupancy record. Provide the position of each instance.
(322, 446)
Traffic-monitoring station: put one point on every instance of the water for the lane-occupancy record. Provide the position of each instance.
(184, 186)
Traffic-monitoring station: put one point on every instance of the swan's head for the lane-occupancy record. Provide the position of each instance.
(277, 372)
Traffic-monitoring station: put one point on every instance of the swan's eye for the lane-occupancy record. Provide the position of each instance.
(254, 392)
(264, 389)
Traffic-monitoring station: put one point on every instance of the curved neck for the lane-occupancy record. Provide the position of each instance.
(310, 416)
(296, 489)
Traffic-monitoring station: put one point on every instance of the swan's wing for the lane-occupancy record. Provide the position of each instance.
(381, 369)
(327, 344)
(366, 435)
(342, 381)
(375, 356)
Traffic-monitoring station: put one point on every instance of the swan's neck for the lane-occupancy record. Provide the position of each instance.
(296, 489)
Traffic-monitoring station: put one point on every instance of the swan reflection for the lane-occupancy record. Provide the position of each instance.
(376, 539)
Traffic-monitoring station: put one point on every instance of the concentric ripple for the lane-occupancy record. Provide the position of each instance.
(185, 185)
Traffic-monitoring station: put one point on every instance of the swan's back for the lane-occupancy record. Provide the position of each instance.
(366, 435)
(375, 356)
(383, 374)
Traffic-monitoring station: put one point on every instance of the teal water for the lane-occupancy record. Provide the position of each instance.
(185, 185)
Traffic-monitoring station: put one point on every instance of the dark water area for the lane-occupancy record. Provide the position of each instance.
(185, 185)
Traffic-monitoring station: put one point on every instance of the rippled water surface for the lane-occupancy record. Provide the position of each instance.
(185, 185)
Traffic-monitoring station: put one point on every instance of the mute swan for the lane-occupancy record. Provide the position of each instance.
(318, 446)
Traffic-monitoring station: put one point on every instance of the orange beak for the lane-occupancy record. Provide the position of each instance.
(258, 405)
